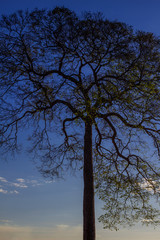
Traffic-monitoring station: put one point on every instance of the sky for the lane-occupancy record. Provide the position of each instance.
(32, 207)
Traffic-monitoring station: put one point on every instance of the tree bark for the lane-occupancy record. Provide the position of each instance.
(88, 197)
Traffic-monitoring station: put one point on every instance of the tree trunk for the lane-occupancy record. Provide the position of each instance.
(88, 197)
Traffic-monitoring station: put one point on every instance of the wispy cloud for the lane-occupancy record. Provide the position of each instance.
(58, 232)
(19, 185)
(2, 179)
(62, 226)
(147, 220)
(21, 180)
(150, 185)
(35, 183)
(15, 186)
(14, 192)
(3, 191)
(5, 221)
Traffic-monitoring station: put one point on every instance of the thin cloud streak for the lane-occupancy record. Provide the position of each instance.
(19, 185)
(21, 180)
(67, 232)
(40, 233)
(13, 187)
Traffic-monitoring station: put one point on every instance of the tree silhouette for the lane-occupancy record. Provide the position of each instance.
(96, 84)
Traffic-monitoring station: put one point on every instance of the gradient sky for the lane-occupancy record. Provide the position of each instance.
(34, 208)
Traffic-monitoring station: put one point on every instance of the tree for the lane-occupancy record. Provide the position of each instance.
(62, 74)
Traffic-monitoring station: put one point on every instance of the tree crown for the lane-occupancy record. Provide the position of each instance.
(59, 71)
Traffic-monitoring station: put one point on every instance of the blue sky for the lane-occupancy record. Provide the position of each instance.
(32, 207)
